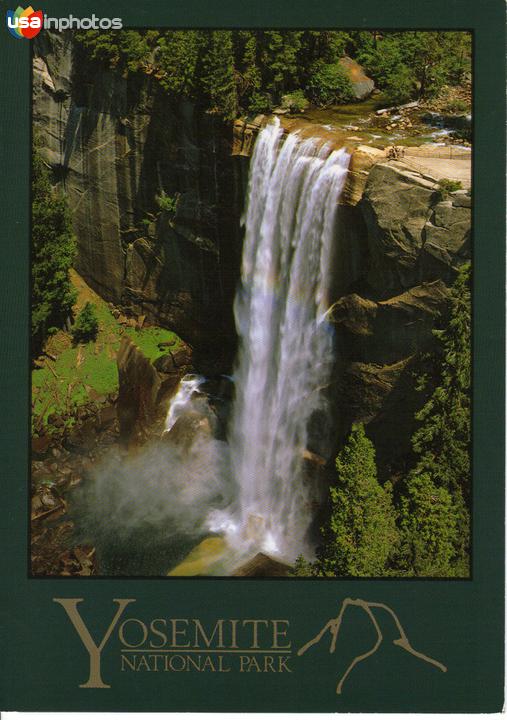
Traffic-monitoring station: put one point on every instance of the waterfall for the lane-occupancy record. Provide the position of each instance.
(286, 344)
(181, 400)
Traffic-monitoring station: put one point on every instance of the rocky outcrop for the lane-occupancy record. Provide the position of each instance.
(244, 135)
(412, 235)
(447, 237)
(362, 85)
(139, 385)
(363, 158)
(382, 397)
(385, 331)
(404, 243)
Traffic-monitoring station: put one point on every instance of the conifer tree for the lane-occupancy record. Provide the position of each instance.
(434, 505)
(250, 73)
(53, 251)
(442, 442)
(361, 532)
(178, 54)
(218, 80)
(280, 60)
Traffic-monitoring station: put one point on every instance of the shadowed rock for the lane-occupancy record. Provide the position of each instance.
(262, 566)
(139, 384)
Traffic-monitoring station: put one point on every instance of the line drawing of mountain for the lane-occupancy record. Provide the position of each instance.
(334, 626)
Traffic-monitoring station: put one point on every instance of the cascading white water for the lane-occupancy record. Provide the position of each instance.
(286, 351)
(180, 402)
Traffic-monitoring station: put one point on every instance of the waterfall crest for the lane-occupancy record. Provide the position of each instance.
(286, 345)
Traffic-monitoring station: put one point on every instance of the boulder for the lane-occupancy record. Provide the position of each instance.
(362, 85)
(461, 198)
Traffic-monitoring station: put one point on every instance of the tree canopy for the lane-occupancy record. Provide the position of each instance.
(234, 71)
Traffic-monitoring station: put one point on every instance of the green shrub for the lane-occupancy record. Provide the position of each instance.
(167, 203)
(446, 186)
(457, 106)
(260, 103)
(295, 101)
(399, 86)
(86, 326)
(329, 84)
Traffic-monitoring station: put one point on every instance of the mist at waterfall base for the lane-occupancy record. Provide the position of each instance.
(255, 489)
(144, 510)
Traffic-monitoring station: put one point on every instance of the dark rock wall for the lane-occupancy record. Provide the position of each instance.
(114, 144)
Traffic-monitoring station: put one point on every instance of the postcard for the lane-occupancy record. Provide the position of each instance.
(252, 384)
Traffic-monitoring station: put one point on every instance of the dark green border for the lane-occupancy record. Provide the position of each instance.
(459, 623)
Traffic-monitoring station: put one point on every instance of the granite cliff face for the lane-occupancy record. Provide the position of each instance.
(412, 241)
(115, 144)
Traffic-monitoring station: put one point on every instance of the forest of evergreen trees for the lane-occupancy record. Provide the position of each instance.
(229, 72)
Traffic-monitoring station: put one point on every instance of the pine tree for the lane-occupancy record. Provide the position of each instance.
(429, 526)
(86, 326)
(280, 60)
(178, 55)
(249, 72)
(361, 532)
(434, 513)
(218, 80)
(442, 442)
(53, 251)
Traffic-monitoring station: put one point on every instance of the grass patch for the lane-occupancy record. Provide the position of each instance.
(87, 371)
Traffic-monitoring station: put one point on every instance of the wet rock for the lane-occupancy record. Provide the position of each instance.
(188, 428)
(262, 566)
